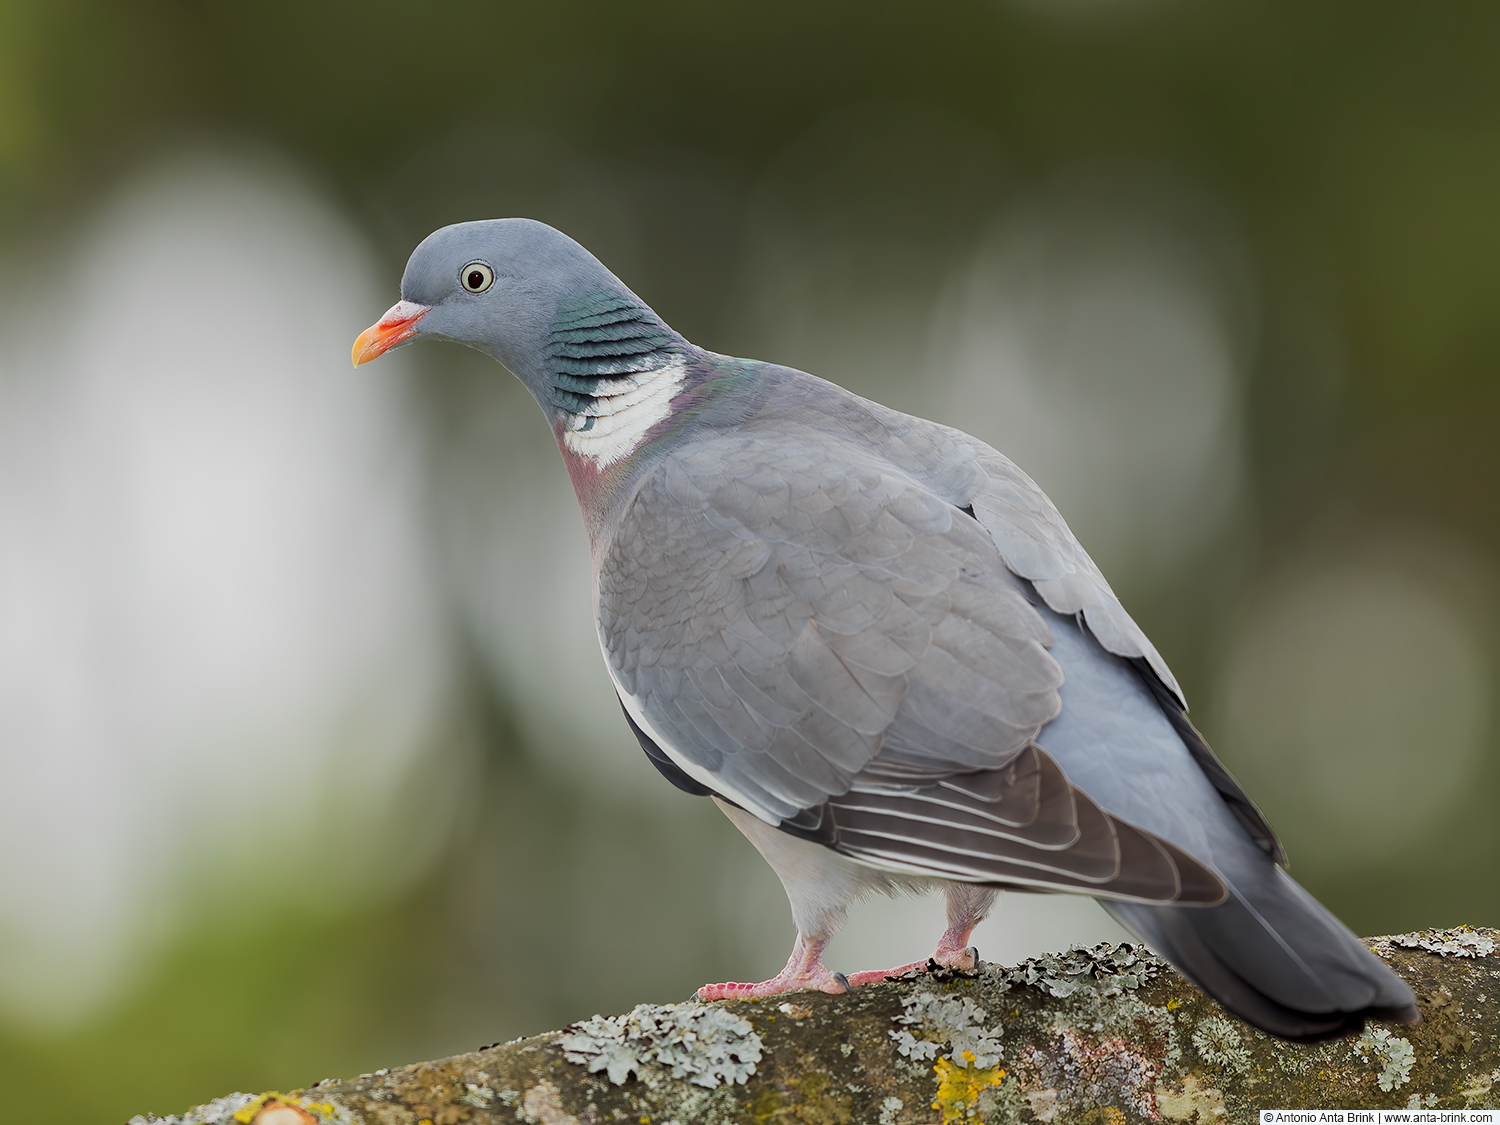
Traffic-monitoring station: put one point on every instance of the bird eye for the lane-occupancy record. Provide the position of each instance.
(476, 277)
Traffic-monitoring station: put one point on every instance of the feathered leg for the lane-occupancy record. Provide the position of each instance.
(819, 885)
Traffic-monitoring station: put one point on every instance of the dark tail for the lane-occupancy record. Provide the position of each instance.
(1275, 957)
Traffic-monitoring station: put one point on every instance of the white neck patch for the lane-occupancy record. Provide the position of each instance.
(615, 421)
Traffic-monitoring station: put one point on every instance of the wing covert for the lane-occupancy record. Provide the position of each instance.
(784, 626)
(1039, 546)
(835, 647)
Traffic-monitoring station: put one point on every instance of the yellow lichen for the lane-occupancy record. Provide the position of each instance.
(323, 1110)
(246, 1114)
(959, 1087)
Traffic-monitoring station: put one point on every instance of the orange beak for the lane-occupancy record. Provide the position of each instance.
(398, 324)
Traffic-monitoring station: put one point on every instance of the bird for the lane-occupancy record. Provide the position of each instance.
(873, 641)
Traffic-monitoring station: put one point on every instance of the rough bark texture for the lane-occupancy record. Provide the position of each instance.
(1106, 1035)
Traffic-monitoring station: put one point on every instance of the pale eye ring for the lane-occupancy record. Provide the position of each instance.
(476, 277)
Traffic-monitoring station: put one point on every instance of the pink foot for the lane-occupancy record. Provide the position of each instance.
(876, 976)
(964, 957)
(804, 982)
(804, 972)
(948, 954)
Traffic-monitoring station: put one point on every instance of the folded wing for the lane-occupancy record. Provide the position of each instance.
(838, 650)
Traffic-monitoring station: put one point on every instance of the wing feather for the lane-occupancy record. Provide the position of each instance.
(828, 643)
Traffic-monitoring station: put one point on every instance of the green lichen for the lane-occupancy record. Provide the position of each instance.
(241, 1109)
(1394, 1054)
(1478, 1089)
(768, 1105)
(1099, 1036)
(1221, 1046)
(820, 1104)
(955, 1021)
(1106, 969)
(1460, 941)
(1002, 1104)
(220, 1111)
(1076, 1071)
(1097, 988)
(707, 1046)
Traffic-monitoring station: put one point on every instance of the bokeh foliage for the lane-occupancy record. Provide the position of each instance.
(1356, 144)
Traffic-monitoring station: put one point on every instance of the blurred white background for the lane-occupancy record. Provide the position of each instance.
(308, 765)
(242, 583)
(222, 651)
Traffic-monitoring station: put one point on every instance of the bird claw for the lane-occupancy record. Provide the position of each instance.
(817, 981)
(880, 976)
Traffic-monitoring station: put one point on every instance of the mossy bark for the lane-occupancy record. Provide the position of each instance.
(1106, 1036)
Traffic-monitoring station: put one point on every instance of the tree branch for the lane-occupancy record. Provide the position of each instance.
(1107, 1036)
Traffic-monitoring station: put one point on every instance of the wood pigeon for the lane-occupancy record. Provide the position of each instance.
(874, 643)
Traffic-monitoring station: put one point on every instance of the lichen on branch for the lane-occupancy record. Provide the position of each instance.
(1107, 1035)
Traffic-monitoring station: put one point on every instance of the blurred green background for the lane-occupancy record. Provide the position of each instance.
(307, 763)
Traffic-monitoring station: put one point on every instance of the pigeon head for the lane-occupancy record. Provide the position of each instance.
(526, 295)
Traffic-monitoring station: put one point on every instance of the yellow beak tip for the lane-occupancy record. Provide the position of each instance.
(369, 345)
(398, 324)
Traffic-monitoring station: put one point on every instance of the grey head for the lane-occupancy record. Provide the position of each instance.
(526, 295)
